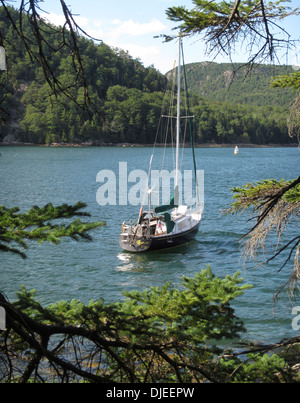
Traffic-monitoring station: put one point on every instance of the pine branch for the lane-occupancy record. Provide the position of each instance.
(275, 205)
(37, 224)
(223, 24)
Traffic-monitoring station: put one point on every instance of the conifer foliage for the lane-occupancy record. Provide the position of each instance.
(16, 228)
(160, 335)
(157, 335)
(276, 208)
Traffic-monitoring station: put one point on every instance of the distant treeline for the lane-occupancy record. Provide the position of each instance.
(127, 99)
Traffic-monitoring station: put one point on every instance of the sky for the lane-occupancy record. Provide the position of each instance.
(132, 24)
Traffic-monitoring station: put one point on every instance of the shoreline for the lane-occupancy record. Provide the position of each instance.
(134, 145)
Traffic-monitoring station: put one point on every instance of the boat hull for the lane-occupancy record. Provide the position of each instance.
(142, 244)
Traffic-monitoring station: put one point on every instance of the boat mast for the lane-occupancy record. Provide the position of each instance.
(178, 113)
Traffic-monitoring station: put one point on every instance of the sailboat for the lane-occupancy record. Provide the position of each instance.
(170, 224)
(236, 150)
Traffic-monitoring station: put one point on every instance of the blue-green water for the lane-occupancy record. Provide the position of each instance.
(39, 175)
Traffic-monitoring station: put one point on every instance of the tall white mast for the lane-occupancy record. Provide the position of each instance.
(178, 113)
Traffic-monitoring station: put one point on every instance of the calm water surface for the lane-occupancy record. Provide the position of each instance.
(39, 175)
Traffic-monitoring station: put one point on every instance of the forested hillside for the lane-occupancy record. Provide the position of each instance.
(125, 97)
(120, 89)
(234, 83)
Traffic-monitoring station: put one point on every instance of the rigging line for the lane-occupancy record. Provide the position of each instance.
(191, 129)
(169, 96)
(169, 125)
(183, 145)
(187, 113)
(163, 108)
(171, 109)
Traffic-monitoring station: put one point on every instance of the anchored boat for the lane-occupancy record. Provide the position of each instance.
(170, 224)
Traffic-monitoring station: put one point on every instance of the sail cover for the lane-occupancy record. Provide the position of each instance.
(172, 204)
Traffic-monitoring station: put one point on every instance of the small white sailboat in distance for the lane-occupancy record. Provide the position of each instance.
(236, 150)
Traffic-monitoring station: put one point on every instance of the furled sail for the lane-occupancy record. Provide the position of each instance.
(172, 204)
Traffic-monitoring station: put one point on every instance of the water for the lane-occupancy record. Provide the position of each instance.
(39, 175)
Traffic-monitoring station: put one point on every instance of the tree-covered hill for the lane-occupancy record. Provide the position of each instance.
(119, 87)
(234, 83)
(125, 98)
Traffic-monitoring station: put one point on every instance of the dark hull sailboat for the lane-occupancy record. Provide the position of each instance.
(144, 237)
(168, 225)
